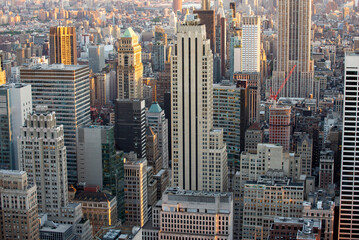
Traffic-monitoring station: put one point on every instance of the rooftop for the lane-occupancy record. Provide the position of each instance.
(13, 85)
(93, 197)
(59, 67)
(129, 33)
(155, 108)
(178, 191)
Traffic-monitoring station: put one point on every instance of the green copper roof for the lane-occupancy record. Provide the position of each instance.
(129, 33)
(155, 108)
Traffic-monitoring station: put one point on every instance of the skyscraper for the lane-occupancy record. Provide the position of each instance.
(130, 126)
(63, 48)
(156, 119)
(227, 109)
(177, 5)
(96, 57)
(221, 40)
(251, 37)
(19, 216)
(159, 49)
(65, 90)
(207, 17)
(293, 48)
(130, 68)
(349, 207)
(42, 154)
(136, 191)
(15, 104)
(197, 148)
(99, 163)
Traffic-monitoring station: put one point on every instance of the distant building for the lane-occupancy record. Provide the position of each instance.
(294, 45)
(15, 104)
(177, 6)
(183, 209)
(251, 45)
(2, 70)
(19, 215)
(130, 68)
(208, 18)
(159, 50)
(63, 48)
(96, 58)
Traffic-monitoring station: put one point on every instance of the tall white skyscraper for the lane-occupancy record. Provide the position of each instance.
(349, 192)
(42, 154)
(199, 158)
(251, 40)
(15, 104)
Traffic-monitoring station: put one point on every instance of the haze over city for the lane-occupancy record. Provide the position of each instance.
(180, 120)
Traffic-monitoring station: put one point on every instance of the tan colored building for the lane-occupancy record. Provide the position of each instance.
(269, 197)
(154, 158)
(100, 208)
(136, 208)
(130, 68)
(63, 47)
(254, 136)
(19, 215)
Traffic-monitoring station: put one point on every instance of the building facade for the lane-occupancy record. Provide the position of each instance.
(42, 154)
(156, 119)
(192, 215)
(63, 46)
(98, 207)
(349, 207)
(96, 57)
(19, 215)
(192, 113)
(65, 90)
(15, 104)
(130, 126)
(251, 37)
(136, 208)
(294, 34)
(279, 125)
(130, 68)
(266, 198)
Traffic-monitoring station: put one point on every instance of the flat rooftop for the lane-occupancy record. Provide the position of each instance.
(59, 67)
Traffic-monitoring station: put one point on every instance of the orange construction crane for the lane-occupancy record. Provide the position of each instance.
(274, 97)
